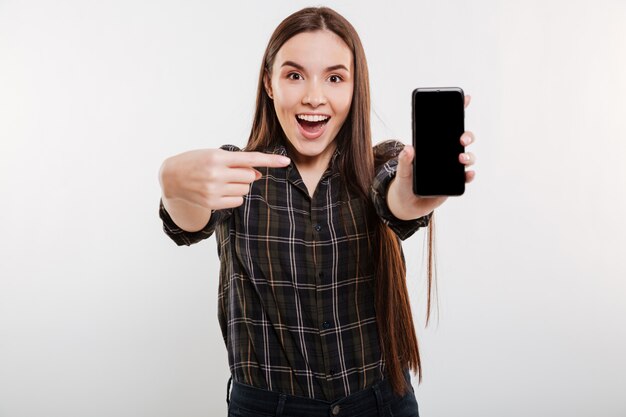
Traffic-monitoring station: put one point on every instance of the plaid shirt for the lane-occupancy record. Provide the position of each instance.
(296, 290)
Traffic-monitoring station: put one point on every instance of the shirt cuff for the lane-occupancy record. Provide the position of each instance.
(402, 228)
(183, 237)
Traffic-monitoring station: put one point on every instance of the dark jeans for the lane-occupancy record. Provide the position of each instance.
(376, 401)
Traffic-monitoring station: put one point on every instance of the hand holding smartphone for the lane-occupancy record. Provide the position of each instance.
(438, 123)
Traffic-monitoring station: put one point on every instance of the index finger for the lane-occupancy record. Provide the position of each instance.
(256, 159)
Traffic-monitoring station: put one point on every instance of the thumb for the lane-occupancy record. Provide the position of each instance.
(405, 162)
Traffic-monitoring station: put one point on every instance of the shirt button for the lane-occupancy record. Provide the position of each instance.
(326, 325)
(336, 409)
(321, 274)
(318, 227)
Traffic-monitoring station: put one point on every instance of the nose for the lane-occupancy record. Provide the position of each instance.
(314, 94)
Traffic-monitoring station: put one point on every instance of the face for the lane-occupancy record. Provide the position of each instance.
(311, 84)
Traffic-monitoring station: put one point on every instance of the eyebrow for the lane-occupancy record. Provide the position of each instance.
(301, 68)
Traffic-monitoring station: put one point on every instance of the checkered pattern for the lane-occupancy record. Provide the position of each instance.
(296, 290)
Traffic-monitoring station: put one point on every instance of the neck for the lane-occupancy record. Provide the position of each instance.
(311, 168)
(314, 165)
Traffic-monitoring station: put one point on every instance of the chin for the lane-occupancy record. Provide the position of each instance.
(311, 149)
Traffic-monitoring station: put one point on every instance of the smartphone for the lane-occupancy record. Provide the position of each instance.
(438, 123)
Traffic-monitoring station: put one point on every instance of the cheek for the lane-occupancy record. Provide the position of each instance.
(285, 98)
(342, 101)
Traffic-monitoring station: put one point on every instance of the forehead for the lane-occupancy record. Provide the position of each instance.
(315, 50)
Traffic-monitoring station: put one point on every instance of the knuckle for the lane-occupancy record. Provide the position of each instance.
(212, 203)
(243, 158)
(210, 189)
(211, 175)
(251, 160)
(210, 158)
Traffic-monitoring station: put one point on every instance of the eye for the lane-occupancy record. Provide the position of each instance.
(291, 76)
(335, 79)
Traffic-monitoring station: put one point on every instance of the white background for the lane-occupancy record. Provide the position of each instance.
(102, 315)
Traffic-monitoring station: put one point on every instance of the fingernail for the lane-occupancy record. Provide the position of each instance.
(285, 160)
(466, 157)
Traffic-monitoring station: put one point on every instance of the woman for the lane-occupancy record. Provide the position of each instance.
(313, 304)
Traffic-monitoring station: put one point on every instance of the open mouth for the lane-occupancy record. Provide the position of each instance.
(312, 124)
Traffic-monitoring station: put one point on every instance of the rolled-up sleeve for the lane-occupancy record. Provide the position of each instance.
(402, 228)
(182, 237)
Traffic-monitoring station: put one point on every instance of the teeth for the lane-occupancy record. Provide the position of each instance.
(312, 118)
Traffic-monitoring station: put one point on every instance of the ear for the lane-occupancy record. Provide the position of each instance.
(267, 82)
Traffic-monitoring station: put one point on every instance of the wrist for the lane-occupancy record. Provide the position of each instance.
(406, 205)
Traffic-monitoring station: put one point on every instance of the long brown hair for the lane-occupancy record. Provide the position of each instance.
(396, 330)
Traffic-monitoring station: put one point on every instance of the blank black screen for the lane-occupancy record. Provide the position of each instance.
(437, 128)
